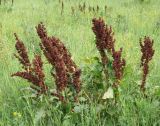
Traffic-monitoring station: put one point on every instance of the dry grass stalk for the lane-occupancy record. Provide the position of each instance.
(97, 8)
(62, 8)
(105, 9)
(73, 10)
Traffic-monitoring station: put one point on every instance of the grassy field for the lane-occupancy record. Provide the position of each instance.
(130, 20)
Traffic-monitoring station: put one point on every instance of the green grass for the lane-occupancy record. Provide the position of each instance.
(130, 20)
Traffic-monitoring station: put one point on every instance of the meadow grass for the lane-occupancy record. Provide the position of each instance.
(130, 20)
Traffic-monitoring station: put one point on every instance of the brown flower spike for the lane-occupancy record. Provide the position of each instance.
(104, 38)
(22, 53)
(147, 54)
(104, 41)
(33, 72)
(57, 54)
(118, 66)
(65, 70)
(105, 44)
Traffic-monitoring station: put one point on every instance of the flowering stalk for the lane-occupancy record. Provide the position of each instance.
(22, 54)
(57, 54)
(118, 66)
(147, 54)
(33, 72)
(104, 38)
(104, 42)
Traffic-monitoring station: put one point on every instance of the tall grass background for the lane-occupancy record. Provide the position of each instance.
(130, 19)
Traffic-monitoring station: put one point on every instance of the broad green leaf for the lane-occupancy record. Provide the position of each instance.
(108, 94)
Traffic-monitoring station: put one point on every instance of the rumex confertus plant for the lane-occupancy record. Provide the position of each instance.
(104, 38)
(112, 61)
(104, 41)
(57, 55)
(33, 72)
(147, 54)
(65, 71)
(105, 44)
(118, 66)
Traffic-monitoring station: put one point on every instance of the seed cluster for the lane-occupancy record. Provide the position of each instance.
(106, 42)
(147, 54)
(33, 72)
(61, 60)
(104, 38)
(22, 53)
(65, 71)
(118, 65)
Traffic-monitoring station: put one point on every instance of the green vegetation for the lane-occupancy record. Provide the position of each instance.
(130, 21)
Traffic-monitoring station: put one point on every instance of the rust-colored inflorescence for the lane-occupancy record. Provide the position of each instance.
(76, 80)
(104, 38)
(104, 35)
(65, 70)
(57, 54)
(54, 57)
(147, 54)
(106, 42)
(33, 72)
(118, 65)
(22, 53)
(38, 72)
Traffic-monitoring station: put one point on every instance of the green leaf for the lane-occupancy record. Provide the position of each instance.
(109, 94)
